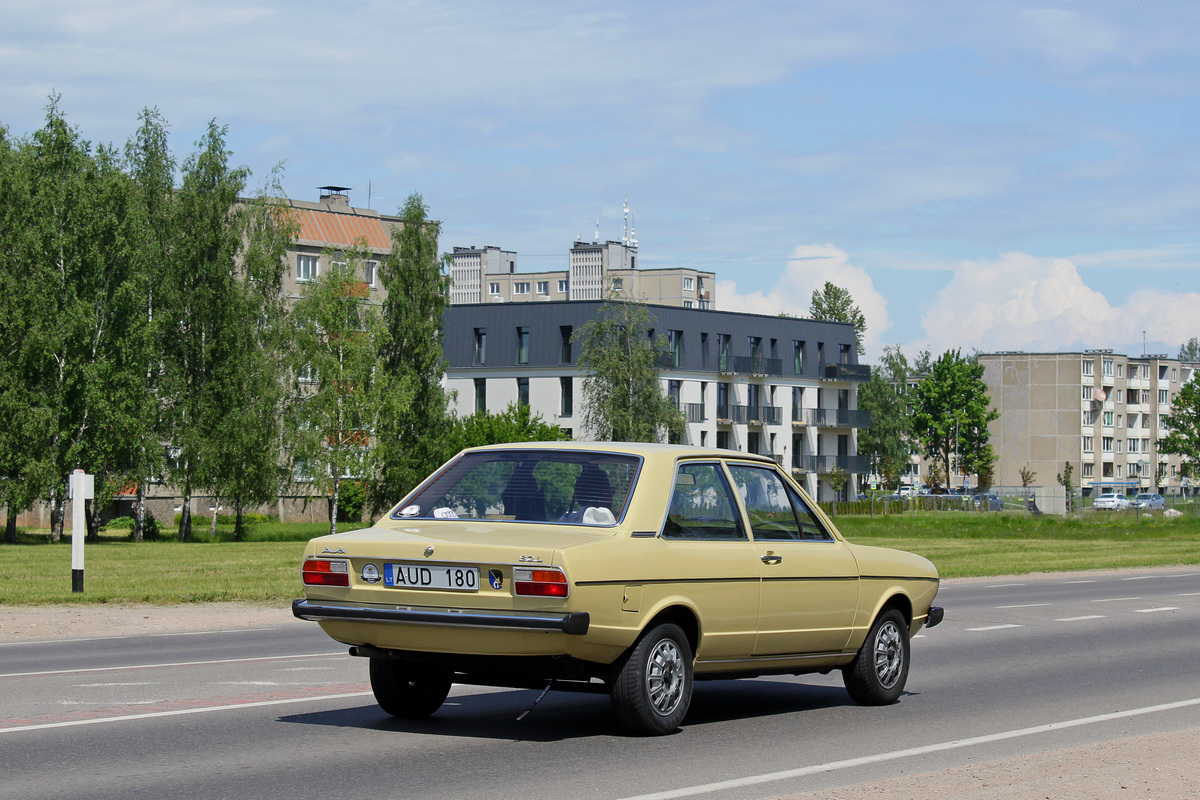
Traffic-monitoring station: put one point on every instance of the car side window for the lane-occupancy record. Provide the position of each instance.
(702, 505)
(775, 510)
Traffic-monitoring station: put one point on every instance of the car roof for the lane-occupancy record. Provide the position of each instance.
(653, 449)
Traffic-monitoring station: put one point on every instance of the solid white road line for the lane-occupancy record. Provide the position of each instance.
(159, 666)
(179, 712)
(767, 777)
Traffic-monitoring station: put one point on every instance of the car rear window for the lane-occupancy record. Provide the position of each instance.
(570, 487)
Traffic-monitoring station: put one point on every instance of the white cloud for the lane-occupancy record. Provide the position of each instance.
(1022, 302)
(809, 267)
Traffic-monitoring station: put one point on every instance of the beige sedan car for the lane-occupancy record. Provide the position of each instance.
(628, 569)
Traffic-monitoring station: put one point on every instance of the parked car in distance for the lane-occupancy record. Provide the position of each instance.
(988, 502)
(626, 569)
(1149, 500)
(1111, 501)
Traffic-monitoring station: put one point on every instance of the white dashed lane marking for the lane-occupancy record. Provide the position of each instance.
(1152, 610)
(1080, 619)
(1026, 605)
(994, 627)
(1114, 599)
(1004, 585)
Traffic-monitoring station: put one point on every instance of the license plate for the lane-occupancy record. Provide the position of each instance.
(431, 576)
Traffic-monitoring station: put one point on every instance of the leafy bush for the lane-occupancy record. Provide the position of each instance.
(119, 524)
(352, 498)
(226, 519)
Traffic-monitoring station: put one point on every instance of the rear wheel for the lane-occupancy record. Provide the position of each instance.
(653, 686)
(404, 689)
(877, 674)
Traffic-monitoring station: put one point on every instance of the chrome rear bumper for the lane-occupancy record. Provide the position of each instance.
(572, 624)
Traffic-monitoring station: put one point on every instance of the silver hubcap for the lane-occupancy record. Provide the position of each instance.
(664, 677)
(889, 655)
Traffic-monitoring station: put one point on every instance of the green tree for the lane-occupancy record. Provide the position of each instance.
(244, 450)
(514, 424)
(623, 397)
(887, 442)
(951, 412)
(1065, 480)
(835, 304)
(149, 162)
(339, 389)
(1190, 351)
(1183, 426)
(410, 432)
(200, 310)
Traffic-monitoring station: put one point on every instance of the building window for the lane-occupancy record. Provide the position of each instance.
(1108, 367)
(1118, 443)
(1087, 392)
(480, 346)
(1088, 367)
(675, 346)
(1174, 374)
(687, 303)
(1146, 396)
(723, 440)
(1087, 444)
(798, 357)
(618, 284)
(689, 284)
(1120, 370)
(1108, 419)
(494, 288)
(1162, 397)
(564, 287)
(567, 405)
(1089, 470)
(564, 350)
(522, 345)
(369, 273)
(543, 287)
(1106, 444)
(306, 268)
(1132, 445)
(521, 288)
(523, 391)
(481, 395)
(724, 360)
(843, 354)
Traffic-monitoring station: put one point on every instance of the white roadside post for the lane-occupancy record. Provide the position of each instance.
(81, 488)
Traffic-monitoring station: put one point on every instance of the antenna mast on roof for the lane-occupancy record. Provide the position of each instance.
(596, 240)
(625, 235)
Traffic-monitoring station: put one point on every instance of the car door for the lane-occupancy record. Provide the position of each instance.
(710, 560)
(809, 591)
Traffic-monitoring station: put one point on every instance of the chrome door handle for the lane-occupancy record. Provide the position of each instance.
(771, 558)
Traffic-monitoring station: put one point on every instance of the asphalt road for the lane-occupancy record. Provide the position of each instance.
(1019, 666)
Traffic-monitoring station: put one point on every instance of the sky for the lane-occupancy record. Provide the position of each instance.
(985, 175)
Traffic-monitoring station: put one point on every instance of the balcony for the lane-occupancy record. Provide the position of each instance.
(695, 412)
(855, 373)
(750, 415)
(838, 418)
(823, 465)
(757, 365)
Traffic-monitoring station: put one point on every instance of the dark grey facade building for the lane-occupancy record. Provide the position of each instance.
(780, 386)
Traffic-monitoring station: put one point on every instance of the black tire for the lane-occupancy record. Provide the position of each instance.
(652, 688)
(406, 690)
(877, 674)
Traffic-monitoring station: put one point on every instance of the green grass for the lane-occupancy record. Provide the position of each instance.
(266, 567)
(963, 544)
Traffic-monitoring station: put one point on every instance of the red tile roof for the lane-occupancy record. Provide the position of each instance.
(329, 227)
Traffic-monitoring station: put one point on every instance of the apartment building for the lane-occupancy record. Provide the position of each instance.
(489, 275)
(779, 386)
(1098, 410)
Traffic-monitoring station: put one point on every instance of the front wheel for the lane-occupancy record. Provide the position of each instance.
(653, 686)
(407, 690)
(877, 674)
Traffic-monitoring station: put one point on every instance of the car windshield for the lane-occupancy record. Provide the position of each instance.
(569, 487)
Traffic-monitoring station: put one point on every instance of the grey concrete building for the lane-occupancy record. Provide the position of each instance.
(1098, 410)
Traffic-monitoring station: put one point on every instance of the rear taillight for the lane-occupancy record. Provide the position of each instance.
(539, 582)
(320, 572)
